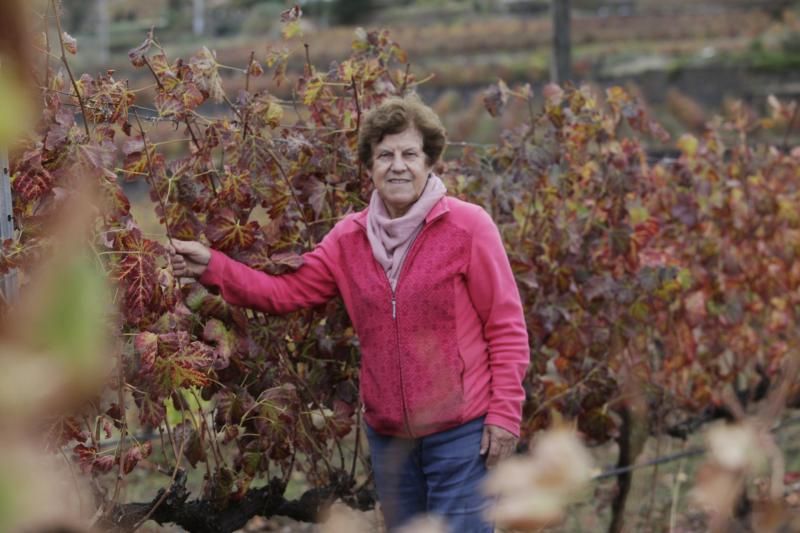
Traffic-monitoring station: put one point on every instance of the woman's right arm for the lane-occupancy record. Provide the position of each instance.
(312, 284)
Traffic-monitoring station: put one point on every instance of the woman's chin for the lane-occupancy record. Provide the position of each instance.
(398, 204)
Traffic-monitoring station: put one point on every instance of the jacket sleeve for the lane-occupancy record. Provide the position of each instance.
(495, 296)
(312, 284)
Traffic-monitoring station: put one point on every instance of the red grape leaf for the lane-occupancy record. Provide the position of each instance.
(235, 190)
(255, 69)
(228, 233)
(146, 345)
(135, 454)
(206, 74)
(187, 367)
(224, 340)
(136, 271)
(286, 261)
(137, 55)
(30, 179)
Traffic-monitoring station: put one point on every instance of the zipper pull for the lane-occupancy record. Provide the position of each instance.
(394, 308)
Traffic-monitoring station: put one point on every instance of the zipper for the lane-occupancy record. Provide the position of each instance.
(393, 290)
(400, 366)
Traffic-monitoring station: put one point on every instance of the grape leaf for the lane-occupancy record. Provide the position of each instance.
(230, 233)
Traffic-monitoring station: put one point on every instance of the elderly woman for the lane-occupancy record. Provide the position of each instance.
(427, 284)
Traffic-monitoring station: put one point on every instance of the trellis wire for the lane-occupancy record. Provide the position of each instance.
(691, 452)
(605, 474)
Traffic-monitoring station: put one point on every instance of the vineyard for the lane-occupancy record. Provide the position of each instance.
(662, 296)
(470, 53)
(709, 52)
(508, 34)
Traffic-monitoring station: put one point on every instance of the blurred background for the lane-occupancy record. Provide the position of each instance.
(687, 59)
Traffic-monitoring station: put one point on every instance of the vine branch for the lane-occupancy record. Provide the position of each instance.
(67, 67)
(285, 178)
(123, 430)
(151, 178)
(166, 492)
(247, 92)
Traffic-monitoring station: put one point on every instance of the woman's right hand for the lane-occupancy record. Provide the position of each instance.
(189, 258)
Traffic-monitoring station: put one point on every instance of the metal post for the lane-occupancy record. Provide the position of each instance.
(103, 31)
(199, 17)
(562, 52)
(8, 283)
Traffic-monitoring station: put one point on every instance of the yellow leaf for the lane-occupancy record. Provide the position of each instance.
(312, 91)
(360, 42)
(638, 214)
(292, 29)
(400, 54)
(520, 212)
(347, 69)
(589, 169)
(616, 95)
(779, 303)
(787, 210)
(688, 144)
(274, 114)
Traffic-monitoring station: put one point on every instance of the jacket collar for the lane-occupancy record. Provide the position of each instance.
(440, 208)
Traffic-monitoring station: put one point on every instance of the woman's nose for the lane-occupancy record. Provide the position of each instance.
(398, 165)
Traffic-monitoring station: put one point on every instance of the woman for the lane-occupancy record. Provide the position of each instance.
(430, 292)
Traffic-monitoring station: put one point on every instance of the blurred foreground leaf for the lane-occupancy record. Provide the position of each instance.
(72, 322)
(16, 111)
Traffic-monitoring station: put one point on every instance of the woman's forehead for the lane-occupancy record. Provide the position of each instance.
(408, 138)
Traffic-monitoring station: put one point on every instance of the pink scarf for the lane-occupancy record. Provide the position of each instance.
(390, 238)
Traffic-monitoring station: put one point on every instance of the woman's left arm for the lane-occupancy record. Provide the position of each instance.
(495, 296)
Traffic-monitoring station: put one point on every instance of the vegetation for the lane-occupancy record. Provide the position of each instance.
(659, 294)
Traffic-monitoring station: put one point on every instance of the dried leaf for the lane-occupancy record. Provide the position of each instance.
(292, 14)
(70, 43)
(495, 98)
(533, 490)
(137, 55)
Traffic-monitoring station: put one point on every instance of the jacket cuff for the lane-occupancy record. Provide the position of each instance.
(213, 271)
(493, 419)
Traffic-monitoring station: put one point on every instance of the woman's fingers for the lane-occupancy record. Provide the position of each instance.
(189, 258)
(178, 266)
(187, 248)
(191, 251)
(497, 443)
(180, 246)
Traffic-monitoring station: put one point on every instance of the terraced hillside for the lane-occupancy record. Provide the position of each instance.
(666, 48)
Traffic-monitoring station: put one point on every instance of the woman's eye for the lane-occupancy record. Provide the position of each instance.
(384, 156)
(410, 154)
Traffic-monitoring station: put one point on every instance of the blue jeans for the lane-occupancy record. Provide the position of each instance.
(440, 474)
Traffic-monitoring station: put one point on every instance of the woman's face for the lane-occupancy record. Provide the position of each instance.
(399, 170)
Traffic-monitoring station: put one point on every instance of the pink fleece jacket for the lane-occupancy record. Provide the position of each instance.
(448, 345)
